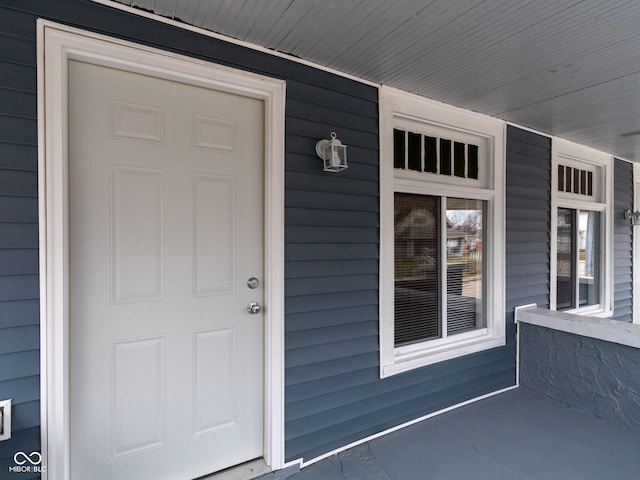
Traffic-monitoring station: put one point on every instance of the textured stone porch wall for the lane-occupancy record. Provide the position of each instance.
(596, 376)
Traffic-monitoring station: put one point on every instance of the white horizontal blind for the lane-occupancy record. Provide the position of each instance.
(417, 269)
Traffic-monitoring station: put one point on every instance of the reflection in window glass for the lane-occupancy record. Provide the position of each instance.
(565, 259)
(417, 269)
(425, 308)
(465, 222)
(578, 258)
(588, 258)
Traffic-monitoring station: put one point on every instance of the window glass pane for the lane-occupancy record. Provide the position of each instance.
(472, 161)
(415, 151)
(565, 280)
(465, 234)
(561, 178)
(459, 161)
(398, 148)
(417, 269)
(431, 154)
(589, 258)
(445, 157)
(568, 179)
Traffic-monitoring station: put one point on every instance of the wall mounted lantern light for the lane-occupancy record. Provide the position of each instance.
(633, 216)
(333, 153)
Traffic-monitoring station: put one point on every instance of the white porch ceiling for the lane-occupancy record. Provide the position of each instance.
(565, 67)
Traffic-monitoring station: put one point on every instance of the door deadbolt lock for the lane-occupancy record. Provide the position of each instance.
(253, 283)
(254, 308)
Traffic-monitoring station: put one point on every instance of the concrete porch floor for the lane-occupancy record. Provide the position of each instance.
(517, 435)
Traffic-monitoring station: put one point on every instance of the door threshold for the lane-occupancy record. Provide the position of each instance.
(245, 471)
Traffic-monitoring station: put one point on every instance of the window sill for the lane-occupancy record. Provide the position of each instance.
(403, 361)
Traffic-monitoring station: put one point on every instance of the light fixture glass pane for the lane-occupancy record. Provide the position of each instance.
(465, 272)
(417, 269)
(588, 258)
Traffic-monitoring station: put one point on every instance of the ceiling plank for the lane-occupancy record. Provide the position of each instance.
(565, 67)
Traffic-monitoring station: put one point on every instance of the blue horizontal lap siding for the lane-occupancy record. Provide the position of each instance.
(333, 392)
(331, 269)
(18, 365)
(622, 233)
(18, 78)
(15, 156)
(528, 211)
(19, 283)
(414, 395)
(361, 394)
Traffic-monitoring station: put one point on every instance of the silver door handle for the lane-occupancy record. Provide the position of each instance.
(254, 308)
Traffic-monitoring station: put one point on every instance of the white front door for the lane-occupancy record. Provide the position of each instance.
(166, 228)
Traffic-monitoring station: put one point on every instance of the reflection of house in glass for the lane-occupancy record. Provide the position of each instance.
(456, 241)
(422, 254)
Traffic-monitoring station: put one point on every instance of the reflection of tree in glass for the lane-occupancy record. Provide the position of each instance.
(465, 218)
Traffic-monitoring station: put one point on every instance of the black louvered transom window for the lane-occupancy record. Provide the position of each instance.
(575, 180)
(439, 275)
(423, 153)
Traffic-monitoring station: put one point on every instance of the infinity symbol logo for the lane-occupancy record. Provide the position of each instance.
(34, 458)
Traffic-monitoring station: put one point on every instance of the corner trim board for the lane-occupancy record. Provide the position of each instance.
(635, 270)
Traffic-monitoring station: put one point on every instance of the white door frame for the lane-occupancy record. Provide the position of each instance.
(57, 45)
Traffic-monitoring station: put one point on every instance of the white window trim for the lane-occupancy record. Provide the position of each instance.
(561, 151)
(395, 104)
(57, 44)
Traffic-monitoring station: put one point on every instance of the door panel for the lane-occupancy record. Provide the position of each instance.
(214, 268)
(215, 398)
(137, 234)
(138, 390)
(166, 226)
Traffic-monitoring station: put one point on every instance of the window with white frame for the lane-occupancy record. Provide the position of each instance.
(442, 211)
(581, 229)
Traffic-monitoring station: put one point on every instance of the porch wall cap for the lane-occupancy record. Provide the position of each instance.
(605, 329)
